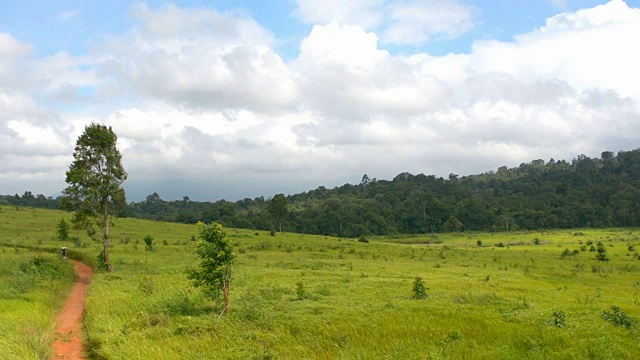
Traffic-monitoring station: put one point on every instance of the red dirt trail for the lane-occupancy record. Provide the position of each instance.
(68, 344)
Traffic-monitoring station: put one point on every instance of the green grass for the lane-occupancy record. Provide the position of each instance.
(300, 296)
(34, 286)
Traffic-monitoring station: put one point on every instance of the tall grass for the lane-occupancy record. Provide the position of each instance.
(34, 286)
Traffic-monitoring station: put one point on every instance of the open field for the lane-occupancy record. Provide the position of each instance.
(300, 296)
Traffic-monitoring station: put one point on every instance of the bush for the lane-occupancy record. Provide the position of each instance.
(363, 239)
(558, 319)
(272, 232)
(618, 317)
(419, 290)
(500, 244)
(536, 241)
(63, 230)
(479, 243)
(148, 243)
(602, 252)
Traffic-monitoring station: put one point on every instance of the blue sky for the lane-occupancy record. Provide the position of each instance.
(233, 99)
(72, 26)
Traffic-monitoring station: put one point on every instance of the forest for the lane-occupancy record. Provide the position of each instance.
(584, 193)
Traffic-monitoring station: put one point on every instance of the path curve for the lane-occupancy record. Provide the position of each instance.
(68, 344)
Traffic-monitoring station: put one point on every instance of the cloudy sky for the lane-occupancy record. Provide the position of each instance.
(232, 99)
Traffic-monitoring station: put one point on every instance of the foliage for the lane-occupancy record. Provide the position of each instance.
(558, 319)
(580, 193)
(363, 239)
(213, 274)
(602, 252)
(278, 209)
(618, 317)
(148, 242)
(419, 290)
(95, 179)
(62, 230)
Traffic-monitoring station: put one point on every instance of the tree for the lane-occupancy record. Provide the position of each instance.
(453, 224)
(278, 209)
(63, 230)
(95, 179)
(213, 274)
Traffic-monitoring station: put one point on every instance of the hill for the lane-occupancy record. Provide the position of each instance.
(584, 193)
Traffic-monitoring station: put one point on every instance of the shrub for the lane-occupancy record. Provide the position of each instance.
(63, 230)
(618, 317)
(479, 243)
(272, 232)
(536, 241)
(558, 319)
(363, 239)
(419, 290)
(500, 244)
(602, 252)
(148, 243)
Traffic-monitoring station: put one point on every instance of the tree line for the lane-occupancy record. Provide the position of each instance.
(585, 192)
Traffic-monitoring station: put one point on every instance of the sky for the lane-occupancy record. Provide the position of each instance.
(239, 99)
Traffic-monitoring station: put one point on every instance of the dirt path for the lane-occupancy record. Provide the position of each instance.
(68, 344)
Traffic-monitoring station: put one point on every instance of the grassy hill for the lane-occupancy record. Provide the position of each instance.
(302, 296)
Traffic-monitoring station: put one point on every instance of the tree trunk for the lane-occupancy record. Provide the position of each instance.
(105, 240)
(226, 290)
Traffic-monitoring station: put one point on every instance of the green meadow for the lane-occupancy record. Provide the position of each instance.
(521, 295)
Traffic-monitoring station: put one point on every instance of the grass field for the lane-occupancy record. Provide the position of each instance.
(300, 296)
(34, 285)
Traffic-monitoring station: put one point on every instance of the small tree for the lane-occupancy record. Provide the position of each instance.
(95, 181)
(453, 224)
(278, 209)
(419, 290)
(602, 252)
(213, 274)
(148, 243)
(63, 230)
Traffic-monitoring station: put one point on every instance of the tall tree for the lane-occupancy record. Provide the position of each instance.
(278, 208)
(95, 179)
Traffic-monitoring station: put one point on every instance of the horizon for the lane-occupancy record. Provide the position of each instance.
(181, 197)
(235, 99)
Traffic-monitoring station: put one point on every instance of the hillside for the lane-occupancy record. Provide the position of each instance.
(586, 192)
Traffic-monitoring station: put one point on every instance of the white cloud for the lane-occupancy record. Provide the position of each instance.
(200, 59)
(201, 101)
(407, 22)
